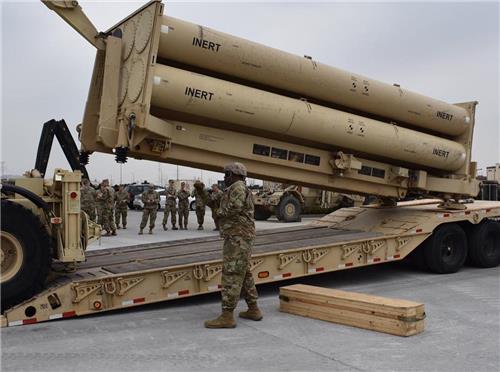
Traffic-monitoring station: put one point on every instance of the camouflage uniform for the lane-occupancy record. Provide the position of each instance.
(215, 199)
(110, 208)
(201, 196)
(121, 208)
(150, 198)
(238, 230)
(104, 200)
(183, 196)
(170, 207)
(88, 195)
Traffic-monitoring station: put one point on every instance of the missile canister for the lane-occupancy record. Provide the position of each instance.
(191, 93)
(194, 45)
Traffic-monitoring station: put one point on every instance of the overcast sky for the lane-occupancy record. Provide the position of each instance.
(446, 50)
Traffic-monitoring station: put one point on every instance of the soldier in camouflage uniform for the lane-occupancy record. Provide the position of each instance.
(170, 206)
(201, 196)
(104, 198)
(215, 198)
(183, 196)
(88, 199)
(121, 207)
(237, 227)
(150, 198)
(111, 206)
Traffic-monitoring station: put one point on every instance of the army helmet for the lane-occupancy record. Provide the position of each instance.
(236, 168)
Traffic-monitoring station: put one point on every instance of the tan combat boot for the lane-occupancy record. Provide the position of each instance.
(225, 320)
(141, 232)
(252, 313)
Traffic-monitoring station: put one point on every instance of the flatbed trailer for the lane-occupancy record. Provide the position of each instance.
(123, 277)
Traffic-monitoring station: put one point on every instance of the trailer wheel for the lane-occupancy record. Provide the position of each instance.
(261, 213)
(484, 244)
(446, 249)
(192, 206)
(25, 256)
(289, 209)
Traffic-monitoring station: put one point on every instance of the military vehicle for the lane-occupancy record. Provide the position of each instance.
(167, 90)
(289, 203)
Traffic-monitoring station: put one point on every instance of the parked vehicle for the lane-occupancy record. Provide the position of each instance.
(289, 203)
(138, 204)
(134, 190)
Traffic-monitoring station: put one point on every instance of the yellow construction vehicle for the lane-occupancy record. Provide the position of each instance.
(167, 90)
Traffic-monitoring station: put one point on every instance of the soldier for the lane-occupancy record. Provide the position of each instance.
(183, 196)
(170, 206)
(201, 196)
(237, 227)
(150, 198)
(215, 198)
(104, 199)
(121, 207)
(110, 207)
(88, 199)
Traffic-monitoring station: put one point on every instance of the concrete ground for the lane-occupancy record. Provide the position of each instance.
(462, 329)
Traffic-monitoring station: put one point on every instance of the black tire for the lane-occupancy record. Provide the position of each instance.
(261, 213)
(192, 206)
(445, 250)
(289, 209)
(278, 214)
(23, 229)
(484, 244)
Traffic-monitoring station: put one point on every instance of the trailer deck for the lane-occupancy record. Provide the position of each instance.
(121, 277)
(183, 252)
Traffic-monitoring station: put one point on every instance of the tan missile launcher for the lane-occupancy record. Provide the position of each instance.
(264, 113)
(171, 91)
(194, 45)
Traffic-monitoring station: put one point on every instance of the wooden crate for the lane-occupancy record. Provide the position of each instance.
(397, 317)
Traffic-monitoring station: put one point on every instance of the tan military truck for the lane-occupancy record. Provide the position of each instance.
(171, 91)
(41, 222)
(289, 202)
